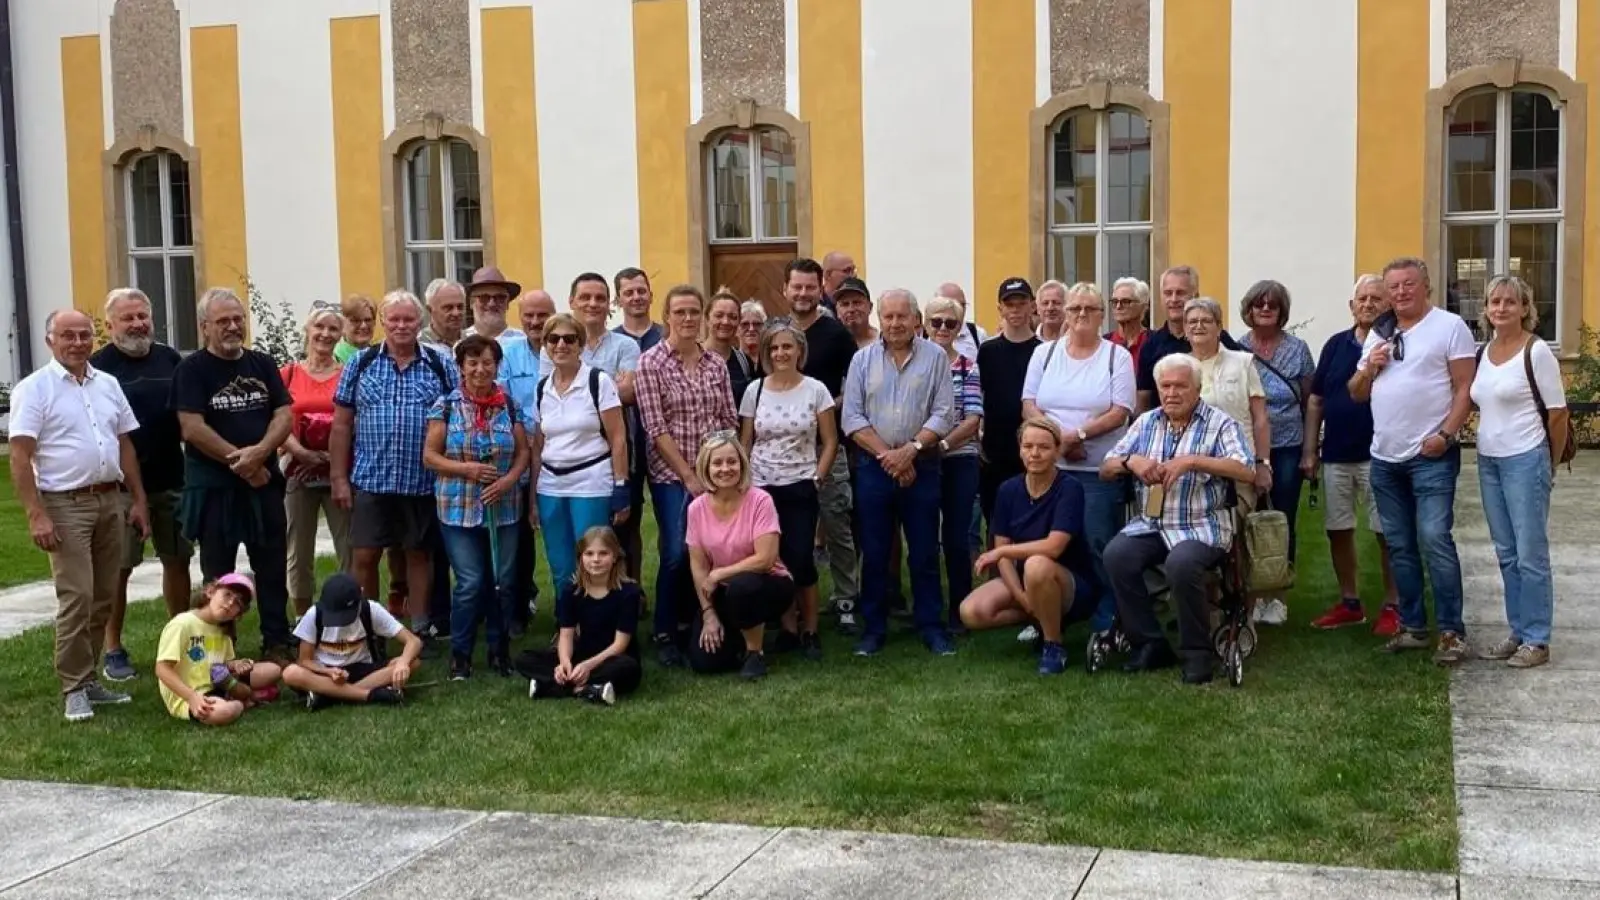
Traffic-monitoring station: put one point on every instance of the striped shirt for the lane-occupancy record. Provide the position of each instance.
(391, 419)
(685, 406)
(459, 501)
(1193, 508)
(898, 401)
(967, 390)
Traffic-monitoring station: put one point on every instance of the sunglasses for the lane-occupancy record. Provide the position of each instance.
(944, 324)
(561, 338)
(1265, 304)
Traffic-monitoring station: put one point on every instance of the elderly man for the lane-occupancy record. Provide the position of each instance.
(234, 413)
(1182, 456)
(1130, 300)
(1339, 437)
(490, 294)
(853, 306)
(1179, 285)
(70, 455)
(971, 334)
(379, 422)
(899, 401)
(534, 308)
(447, 309)
(635, 296)
(145, 368)
(1416, 370)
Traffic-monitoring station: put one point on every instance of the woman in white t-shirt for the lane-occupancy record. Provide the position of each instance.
(1516, 462)
(582, 478)
(1086, 384)
(787, 425)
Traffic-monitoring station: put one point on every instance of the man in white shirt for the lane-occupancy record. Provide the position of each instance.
(71, 456)
(1416, 370)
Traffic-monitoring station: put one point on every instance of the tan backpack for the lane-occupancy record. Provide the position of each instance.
(1266, 550)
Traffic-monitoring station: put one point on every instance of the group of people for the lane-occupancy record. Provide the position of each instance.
(881, 437)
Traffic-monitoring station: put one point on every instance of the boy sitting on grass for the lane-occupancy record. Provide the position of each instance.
(343, 648)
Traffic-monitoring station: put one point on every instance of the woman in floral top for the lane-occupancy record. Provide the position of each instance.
(1285, 365)
(477, 447)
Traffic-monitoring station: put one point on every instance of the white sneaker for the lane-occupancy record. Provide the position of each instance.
(1028, 635)
(1272, 611)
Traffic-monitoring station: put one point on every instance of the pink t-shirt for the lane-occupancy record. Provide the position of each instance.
(730, 541)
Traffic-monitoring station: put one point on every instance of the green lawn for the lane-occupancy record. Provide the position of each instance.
(1331, 753)
(20, 561)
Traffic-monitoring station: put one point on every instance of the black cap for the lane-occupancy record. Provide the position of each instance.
(340, 603)
(853, 286)
(1015, 287)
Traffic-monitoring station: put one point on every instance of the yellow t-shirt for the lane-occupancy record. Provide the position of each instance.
(194, 646)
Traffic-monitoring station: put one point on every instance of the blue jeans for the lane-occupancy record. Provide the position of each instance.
(483, 590)
(958, 494)
(916, 508)
(1105, 511)
(1286, 483)
(564, 520)
(1516, 501)
(1416, 500)
(674, 582)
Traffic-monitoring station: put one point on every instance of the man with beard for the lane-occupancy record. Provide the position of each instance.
(490, 295)
(145, 368)
(447, 308)
(235, 413)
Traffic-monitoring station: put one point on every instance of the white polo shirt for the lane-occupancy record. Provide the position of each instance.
(571, 429)
(77, 426)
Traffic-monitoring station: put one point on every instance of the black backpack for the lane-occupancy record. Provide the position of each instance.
(376, 645)
(594, 394)
(429, 356)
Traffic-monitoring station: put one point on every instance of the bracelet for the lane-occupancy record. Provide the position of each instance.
(706, 609)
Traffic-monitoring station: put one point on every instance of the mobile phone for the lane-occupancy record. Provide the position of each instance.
(1154, 499)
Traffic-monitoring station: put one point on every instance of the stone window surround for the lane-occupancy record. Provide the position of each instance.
(1097, 96)
(1572, 97)
(115, 199)
(745, 115)
(430, 128)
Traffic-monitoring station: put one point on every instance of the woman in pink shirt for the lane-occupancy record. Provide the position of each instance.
(733, 553)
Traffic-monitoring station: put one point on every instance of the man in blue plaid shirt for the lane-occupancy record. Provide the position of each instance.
(380, 420)
(1181, 456)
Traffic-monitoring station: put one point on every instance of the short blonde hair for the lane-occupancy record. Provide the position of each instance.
(1043, 423)
(1524, 292)
(354, 304)
(943, 304)
(1087, 289)
(565, 320)
(715, 441)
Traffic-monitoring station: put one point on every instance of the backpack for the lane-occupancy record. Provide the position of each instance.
(594, 395)
(1570, 448)
(376, 645)
(972, 329)
(429, 356)
(1266, 550)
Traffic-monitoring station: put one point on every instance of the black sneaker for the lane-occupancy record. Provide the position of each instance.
(667, 652)
(811, 646)
(315, 701)
(598, 694)
(385, 695)
(787, 642)
(460, 668)
(500, 663)
(755, 666)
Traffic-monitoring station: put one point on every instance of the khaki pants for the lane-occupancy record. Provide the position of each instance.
(300, 505)
(839, 532)
(87, 567)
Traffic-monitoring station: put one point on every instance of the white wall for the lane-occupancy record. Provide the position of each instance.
(1292, 180)
(916, 107)
(8, 304)
(588, 155)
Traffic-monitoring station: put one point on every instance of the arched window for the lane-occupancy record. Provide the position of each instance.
(1503, 210)
(1100, 220)
(752, 187)
(160, 242)
(443, 211)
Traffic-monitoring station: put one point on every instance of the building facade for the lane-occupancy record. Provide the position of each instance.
(317, 148)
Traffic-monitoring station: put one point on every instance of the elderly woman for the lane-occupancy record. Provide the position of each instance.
(1522, 429)
(1229, 381)
(1286, 366)
(722, 338)
(581, 481)
(958, 473)
(752, 318)
(1086, 385)
(1045, 571)
(311, 383)
(739, 580)
(478, 449)
(788, 427)
(1130, 300)
(360, 314)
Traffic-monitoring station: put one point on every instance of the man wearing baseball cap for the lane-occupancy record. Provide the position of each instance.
(1003, 360)
(342, 650)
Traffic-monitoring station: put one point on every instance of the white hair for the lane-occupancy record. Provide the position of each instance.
(752, 306)
(212, 296)
(439, 284)
(125, 293)
(942, 303)
(1180, 361)
(1365, 280)
(398, 296)
(902, 294)
(1141, 291)
(1053, 285)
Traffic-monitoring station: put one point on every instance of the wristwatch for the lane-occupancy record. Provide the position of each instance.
(1083, 435)
(944, 446)
(918, 444)
(1449, 439)
(1264, 462)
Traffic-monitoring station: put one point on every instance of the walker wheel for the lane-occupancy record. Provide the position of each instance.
(1233, 664)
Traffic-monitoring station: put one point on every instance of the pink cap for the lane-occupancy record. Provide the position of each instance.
(235, 580)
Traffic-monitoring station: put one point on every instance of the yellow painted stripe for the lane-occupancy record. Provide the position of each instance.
(1002, 100)
(1198, 55)
(513, 131)
(1589, 74)
(661, 104)
(82, 98)
(357, 69)
(830, 99)
(214, 51)
(1392, 91)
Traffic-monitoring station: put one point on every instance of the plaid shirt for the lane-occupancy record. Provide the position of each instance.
(684, 407)
(391, 410)
(1193, 508)
(459, 500)
(969, 399)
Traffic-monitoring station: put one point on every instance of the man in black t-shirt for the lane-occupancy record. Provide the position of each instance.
(1003, 362)
(1179, 285)
(234, 413)
(144, 368)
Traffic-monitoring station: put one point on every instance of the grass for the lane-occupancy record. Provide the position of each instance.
(20, 561)
(1331, 753)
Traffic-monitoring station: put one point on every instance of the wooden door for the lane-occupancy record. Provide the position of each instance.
(751, 271)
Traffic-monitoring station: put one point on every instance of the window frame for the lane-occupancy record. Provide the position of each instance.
(448, 244)
(757, 196)
(1100, 227)
(395, 150)
(168, 253)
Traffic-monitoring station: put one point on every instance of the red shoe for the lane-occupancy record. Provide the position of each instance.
(267, 694)
(1340, 615)
(1388, 622)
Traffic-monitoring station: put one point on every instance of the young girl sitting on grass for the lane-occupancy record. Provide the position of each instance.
(200, 678)
(596, 658)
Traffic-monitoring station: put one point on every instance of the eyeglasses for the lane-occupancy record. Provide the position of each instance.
(561, 338)
(1124, 301)
(753, 326)
(944, 324)
(1082, 310)
(1202, 323)
(492, 299)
